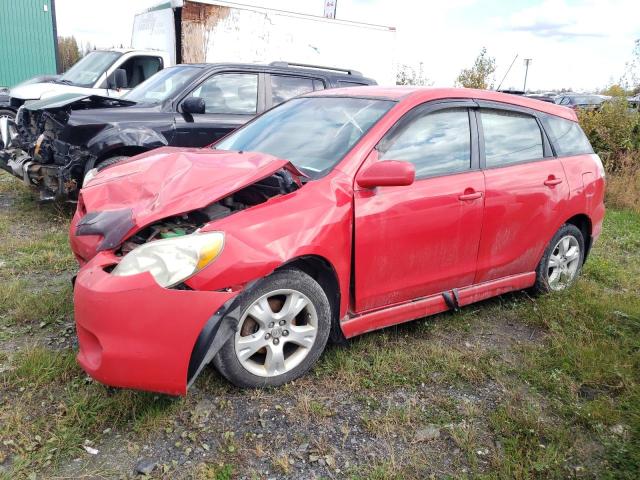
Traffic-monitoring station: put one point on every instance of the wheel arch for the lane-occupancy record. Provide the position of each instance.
(323, 272)
(584, 224)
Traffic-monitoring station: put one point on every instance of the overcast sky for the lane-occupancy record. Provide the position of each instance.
(583, 44)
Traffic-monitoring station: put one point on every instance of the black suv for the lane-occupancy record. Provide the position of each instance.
(60, 139)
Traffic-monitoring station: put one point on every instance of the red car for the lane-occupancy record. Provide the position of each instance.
(331, 215)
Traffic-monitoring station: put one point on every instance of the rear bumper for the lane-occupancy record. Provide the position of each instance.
(135, 334)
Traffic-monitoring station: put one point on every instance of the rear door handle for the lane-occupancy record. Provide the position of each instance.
(551, 182)
(470, 196)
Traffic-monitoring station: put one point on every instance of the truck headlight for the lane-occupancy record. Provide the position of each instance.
(89, 176)
(172, 260)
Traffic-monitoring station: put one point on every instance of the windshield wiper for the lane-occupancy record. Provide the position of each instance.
(64, 81)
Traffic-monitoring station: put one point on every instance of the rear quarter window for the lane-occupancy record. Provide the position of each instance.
(567, 136)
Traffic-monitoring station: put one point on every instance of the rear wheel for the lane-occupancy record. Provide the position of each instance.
(562, 261)
(283, 329)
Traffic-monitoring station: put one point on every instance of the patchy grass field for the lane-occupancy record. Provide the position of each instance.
(515, 387)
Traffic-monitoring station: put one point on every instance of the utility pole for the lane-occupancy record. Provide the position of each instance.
(527, 61)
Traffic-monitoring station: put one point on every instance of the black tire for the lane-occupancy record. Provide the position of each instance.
(542, 270)
(227, 362)
(110, 161)
(5, 112)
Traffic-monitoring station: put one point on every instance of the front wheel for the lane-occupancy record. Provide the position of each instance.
(283, 329)
(562, 261)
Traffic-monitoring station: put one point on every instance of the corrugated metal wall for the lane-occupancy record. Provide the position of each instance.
(27, 46)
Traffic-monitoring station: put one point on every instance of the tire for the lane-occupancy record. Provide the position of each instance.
(269, 324)
(567, 265)
(5, 112)
(111, 161)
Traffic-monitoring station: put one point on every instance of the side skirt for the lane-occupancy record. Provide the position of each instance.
(423, 307)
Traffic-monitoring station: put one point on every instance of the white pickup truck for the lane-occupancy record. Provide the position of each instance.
(109, 73)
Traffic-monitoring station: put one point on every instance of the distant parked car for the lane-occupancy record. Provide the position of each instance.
(335, 213)
(578, 101)
(62, 138)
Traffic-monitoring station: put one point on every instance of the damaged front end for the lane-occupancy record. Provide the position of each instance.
(187, 324)
(35, 150)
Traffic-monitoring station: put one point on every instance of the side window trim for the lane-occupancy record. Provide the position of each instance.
(435, 106)
(547, 152)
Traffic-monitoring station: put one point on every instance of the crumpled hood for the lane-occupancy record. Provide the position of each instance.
(169, 181)
(76, 99)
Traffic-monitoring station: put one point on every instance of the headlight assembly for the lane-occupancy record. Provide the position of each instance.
(172, 260)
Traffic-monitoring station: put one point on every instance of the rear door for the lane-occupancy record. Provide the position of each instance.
(231, 100)
(418, 240)
(526, 190)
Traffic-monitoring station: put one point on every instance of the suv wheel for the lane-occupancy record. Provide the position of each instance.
(283, 329)
(562, 260)
(111, 161)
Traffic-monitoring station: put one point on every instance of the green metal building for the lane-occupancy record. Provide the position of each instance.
(28, 40)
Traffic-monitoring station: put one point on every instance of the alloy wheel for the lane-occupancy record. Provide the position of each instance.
(276, 333)
(564, 263)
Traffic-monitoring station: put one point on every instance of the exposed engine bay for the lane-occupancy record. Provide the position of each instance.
(280, 182)
(39, 153)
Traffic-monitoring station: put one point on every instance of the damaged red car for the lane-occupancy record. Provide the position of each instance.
(331, 215)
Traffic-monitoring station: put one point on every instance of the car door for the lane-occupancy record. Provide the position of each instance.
(418, 240)
(525, 190)
(231, 99)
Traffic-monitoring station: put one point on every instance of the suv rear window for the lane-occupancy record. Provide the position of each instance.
(510, 138)
(567, 136)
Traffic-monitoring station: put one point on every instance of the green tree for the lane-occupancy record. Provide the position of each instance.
(615, 90)
(407, 75)
(68, 52)
(481, 74)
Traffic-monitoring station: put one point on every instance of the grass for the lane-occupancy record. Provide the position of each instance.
(520, 387)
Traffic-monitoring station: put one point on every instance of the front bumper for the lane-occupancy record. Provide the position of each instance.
(135, 334)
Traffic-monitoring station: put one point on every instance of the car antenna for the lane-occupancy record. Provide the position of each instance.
(508, 70)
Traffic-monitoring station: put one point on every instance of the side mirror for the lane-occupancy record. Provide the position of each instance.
(387, 173)
(118, 79)
(193, 105)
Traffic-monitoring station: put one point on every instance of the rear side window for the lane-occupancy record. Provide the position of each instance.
(285, 87)
(436, 143)
(567, 136)
(345, 83)
(510, 138)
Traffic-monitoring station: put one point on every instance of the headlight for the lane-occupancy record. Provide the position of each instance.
(89, 176)
(172, 260)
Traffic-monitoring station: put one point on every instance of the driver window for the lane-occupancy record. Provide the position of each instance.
(140, 68)
(230, 93)
(436, 143)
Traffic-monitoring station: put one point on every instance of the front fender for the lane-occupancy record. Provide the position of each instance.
(112, 139)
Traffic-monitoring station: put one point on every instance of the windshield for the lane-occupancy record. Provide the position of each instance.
(312, 133)
(162, 85)
(87, 70)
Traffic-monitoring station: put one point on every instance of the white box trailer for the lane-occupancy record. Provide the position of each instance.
(211, 31)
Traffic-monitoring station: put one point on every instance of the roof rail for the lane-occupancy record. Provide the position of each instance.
(348, 71)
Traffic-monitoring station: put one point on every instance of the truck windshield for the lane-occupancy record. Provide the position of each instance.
(162, 85)
(312, 133)
(86, 71)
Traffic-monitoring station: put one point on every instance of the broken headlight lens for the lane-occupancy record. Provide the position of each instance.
(172, 260)
(89, 176)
